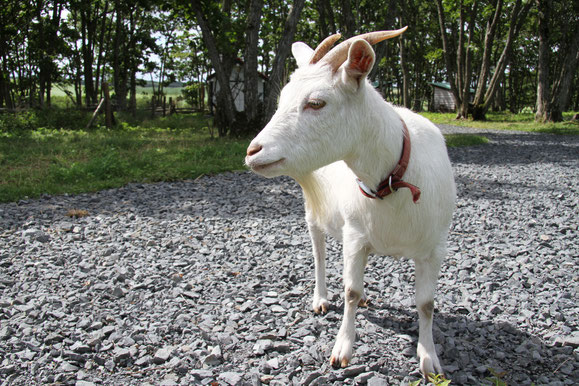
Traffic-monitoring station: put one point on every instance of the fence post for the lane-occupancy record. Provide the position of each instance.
(109, 118)
(96, 112)
(172, 106)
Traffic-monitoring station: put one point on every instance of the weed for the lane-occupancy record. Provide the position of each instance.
(77, 213)
(496, 379)
(435, 379)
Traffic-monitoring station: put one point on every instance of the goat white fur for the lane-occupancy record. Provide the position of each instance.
(332, 127)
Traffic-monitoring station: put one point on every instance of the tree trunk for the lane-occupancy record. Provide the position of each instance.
(491, 29)
(133, 89)
(403, 64)
(225, 110)
(562, 87)
(101, 46)
(348, 19)
(87, 33)
(542, 113)
(465, 69)
(447, 52)
(251, 99)
(282, 52)
(518, 16)
(405, 76)
(120, 59)
(322, 18)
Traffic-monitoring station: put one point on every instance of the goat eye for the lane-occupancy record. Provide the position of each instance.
(315, 104)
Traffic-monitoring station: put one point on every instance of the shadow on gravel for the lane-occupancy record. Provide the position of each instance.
(232, 196)
(501, 189)
(484, 348)
(519, 149)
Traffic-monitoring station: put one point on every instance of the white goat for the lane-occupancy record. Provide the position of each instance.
(336, 136)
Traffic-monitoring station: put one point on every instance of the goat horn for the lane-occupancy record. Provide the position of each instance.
(323, 48)
(339, 54)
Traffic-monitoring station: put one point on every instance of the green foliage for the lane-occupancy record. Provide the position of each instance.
(54, 118)
(191, 93)
(434, 379)
(496, 379)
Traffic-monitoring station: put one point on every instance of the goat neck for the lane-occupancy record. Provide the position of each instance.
(379, 141)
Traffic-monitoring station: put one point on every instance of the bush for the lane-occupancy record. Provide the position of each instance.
(53, 118)
(191, 94)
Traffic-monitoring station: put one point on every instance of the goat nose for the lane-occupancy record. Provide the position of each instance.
(253, 149)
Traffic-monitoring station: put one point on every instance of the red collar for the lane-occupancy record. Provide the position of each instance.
(394, 181)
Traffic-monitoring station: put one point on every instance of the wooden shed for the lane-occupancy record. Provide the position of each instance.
(442, 99)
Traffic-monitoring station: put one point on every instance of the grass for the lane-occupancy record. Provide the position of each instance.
(47, 152)
(56, 161)
(144, 94)
(459, 140)
(508, 121)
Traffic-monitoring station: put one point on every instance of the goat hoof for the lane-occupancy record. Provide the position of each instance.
(323, 309)
(336, 363)
(364, 302)
(429, 365)
(321, 306)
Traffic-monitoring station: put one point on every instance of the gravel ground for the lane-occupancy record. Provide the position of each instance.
(210, 280)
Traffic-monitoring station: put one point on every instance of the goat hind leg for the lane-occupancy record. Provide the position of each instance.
(426, 277)
(320, 301)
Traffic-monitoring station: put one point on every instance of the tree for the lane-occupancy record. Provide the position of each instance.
(281, 54)
(485, 94)
(221, 59)
(458, 59)
(552, 100)
(252, 110)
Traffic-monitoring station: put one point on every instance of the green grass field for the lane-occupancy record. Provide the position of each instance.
(508, 121)
(49, 152)
(144, 94)
(56, 161)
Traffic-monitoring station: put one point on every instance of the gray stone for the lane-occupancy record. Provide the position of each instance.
(238, 239)
(84, 383)
(352, 371)
(121, 354)
(231, 378)
(161, 356)
(201, 374)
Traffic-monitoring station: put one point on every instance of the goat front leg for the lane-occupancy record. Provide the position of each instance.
(355, 259)
(426, 277)
(320, 302)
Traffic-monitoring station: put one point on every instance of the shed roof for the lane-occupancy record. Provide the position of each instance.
(446, 86)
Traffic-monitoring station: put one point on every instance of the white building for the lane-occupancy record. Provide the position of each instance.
(236, 82)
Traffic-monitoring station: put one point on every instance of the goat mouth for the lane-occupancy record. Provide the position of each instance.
(263, 167)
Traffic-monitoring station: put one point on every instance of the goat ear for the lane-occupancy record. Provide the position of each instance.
(360, 60)
(302, 53)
